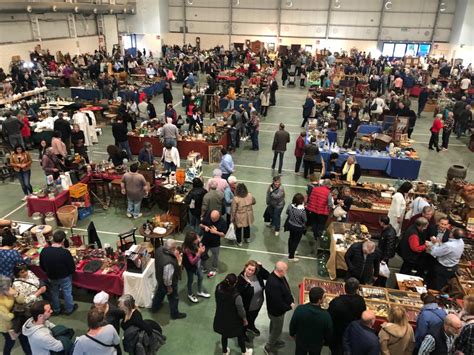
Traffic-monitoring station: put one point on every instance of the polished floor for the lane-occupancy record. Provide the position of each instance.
(195, 333)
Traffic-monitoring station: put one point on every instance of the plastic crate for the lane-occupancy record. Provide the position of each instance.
(85, 212)
(78, 190)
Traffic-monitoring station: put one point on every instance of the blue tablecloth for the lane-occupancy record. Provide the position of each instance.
(152, 90)
(86, 94)
(393, 167)
(223, 104)
(369, 129)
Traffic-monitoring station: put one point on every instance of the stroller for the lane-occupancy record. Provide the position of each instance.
(292, 76)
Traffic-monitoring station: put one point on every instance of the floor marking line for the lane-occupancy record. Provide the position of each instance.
(16, 209)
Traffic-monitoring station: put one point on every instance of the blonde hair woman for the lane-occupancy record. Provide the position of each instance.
(397, 337)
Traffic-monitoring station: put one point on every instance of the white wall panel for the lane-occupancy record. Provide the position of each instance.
(260, 4)
(445, 20)
(54, 29)
(308, 4)
(12, 32)
(175, 13)
(303, 17)
(254, 29)
(355, 18)
(423, 34)
(366, 33)
(254, 16)
(360, 5)
(414, 5)
(174, 2)
(203, 27)
(442, 35)
(408, 20)
(205, 14)
(303, 31)
(86, 26)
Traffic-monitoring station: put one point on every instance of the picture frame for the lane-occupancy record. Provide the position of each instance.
(215, 154)
(271, 46)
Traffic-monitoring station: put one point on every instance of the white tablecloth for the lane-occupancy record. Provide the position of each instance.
(141, 286)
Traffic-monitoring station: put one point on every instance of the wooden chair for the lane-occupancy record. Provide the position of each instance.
(127, 239)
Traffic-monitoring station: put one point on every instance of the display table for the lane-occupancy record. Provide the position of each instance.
(336, 258)
(396, 168)
(150, 90)
(86, 94)
(184, 147)
(46, 204)
(369, 129)
(237, 102)
(369, 216)
(141, 286)
(97, 281)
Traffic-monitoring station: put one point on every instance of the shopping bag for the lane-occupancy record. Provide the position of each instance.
(230, 235)
(384, 270)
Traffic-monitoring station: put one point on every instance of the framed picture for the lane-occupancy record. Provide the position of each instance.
(271, 46)
(215, 154)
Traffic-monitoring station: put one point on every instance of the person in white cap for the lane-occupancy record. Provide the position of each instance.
(112, 314)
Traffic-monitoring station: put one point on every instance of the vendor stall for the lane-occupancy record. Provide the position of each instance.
(223, 103)
(86, 93)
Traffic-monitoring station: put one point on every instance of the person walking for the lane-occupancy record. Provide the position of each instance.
(465, 116)
(251, 286)
(241, 213)
(227, 164)
(352, 128)
(345, 309)
(120, 133)
(447, 130)
(280, 140)
(319, 205)
(264, 102)
(20, 160)
(435, 129)
(398, 207)
(58, 264)
(310, 325)
(422, 99)
(275, 201)
(78, 142)
(192, 252)
(135, 187)
(396, 336)
(214, 228)
(311, 155)
(64, 127)
(194, 200)
(299, 151)
(11, 129)
(359, 337)
(167, 270)
(167, 95)
(295, 224)
(279, 301)
(307, 108)
(254, 129)
(230, 318)
(387, 245)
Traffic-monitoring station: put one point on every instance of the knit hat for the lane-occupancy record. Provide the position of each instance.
(101, 298)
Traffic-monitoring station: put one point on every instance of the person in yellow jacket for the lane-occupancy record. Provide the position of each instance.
(230, 98)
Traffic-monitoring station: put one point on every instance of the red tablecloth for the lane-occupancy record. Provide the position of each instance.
(46, 204)
(370, 218)
(93, 108)
(226, 77)
(184, 147)
(110, 283)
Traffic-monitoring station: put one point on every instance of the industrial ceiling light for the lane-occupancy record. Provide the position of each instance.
(133, 10)
(190, 2)
(125, 10)
(55, 8)
(94, 11)
(388, 5)
(442, 6)
(337, 4)
(237, 3)
(29, 8)
(111, 11)
(289, 3)
(76, 9)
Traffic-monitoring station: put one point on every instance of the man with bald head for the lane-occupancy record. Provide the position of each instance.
(359, 337)
(279, 301)
(214, 229)
(440, 338)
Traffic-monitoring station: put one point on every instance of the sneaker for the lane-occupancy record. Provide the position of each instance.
(74, 308)
(193, 299)
(138, 215)
(280, 344)
(248, 352)
(246, 240)
(277, 233)
(129, 215)
(227, 352)
(268, 351)
(179, 316)
(293, 259)
(204, 294)
(211, 274)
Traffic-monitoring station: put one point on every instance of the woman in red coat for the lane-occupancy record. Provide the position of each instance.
(299, 151)
(319, 206)
(435, 129)
(26, 130)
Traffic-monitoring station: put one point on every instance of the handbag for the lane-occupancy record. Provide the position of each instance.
(230, 235)
(384, 270)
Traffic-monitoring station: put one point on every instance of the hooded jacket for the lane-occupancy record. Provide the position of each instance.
(41, 338)
(396, 339)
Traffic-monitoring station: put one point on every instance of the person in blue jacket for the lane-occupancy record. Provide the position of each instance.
(307, 109)
(430, 315)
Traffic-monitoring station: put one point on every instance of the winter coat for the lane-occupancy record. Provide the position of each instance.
(194, 200)
(241, 211)
(345, 309)
(138, 342)
(230, 313)
(265, 99)
(429, 316)
(275, 197)
(360, 340)
(388, 243)
(246, 289)
(360, 268)
(396, 340)
(280, 140)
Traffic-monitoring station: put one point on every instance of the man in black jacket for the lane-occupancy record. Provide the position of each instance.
(120, 133)
(359, 337)
(363, 261)
(64, 127)
(412, 248)
(279, 301)
(343, 310)
(280, 140)
(387, 245)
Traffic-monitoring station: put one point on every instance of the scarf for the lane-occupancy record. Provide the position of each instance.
(349, 170)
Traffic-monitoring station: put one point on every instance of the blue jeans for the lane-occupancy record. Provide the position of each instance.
(254, 138)
(134, 207)
(230, 104)
(199, 275)
(171, 141)
(124, 146)
(24, 178)
(194, 223)
(276, 218)
(66, 286)
(173, 299)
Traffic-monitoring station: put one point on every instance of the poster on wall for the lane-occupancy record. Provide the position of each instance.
(387, 49)
(399, 50)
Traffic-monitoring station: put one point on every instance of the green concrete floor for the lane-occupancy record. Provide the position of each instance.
(195, 333)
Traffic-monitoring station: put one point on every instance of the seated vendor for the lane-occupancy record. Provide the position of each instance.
(146, 154)
(351, 170)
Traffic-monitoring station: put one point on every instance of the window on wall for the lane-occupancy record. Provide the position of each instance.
(399, 50)
(424, 49)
